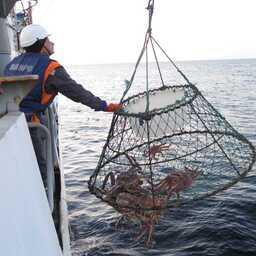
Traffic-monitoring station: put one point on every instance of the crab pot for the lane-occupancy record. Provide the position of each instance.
(161, 136)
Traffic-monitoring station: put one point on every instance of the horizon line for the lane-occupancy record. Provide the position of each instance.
(143, 62)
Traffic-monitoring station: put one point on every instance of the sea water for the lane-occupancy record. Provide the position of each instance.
(223, 225)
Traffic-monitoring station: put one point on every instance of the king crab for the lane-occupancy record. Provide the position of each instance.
(133, 201)
(177, 181)
(156, 149)
(144, 208)
(128, 181)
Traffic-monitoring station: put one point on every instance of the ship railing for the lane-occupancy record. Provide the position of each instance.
(50, 182)
(13, 89)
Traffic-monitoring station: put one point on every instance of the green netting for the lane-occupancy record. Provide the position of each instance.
(187, 147)
(168, 146)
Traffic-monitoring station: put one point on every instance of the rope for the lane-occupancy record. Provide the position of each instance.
(197, 135)
(135, 70)
(28, 10)
(148, 135)
(147, 82)
(150, 9)
(176, 67)
(157, 62)
(149, 37)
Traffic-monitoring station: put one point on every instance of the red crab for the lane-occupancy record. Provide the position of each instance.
(136, 202)
(177, 181)
(156, 149)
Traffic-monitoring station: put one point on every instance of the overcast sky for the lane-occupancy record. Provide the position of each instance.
(112, 31)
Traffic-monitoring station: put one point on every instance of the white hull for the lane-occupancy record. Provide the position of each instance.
(26, 222)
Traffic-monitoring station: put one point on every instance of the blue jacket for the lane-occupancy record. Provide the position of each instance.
(37, 99)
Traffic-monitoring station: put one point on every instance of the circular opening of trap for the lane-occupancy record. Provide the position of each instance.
(165, 113)
(157, 100)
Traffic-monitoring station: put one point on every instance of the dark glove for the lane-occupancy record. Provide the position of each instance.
(113, 107)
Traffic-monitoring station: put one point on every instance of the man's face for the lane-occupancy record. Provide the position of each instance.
(49, 46)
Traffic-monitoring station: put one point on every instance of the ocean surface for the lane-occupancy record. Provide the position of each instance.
(222, 225)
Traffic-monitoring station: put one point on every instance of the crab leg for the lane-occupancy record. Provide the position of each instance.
(112, 180)
(150, 233)
(132, 161)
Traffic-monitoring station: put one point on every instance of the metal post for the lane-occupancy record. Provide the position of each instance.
(49, 163)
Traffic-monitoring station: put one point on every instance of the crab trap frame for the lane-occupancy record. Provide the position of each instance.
(168, 145)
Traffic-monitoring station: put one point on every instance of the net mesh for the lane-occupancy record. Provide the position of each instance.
(172, 154)
(168, 146)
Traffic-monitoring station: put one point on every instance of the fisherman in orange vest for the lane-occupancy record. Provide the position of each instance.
(53, 79)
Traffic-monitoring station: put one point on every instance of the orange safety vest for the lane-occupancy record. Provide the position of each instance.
(46, 98)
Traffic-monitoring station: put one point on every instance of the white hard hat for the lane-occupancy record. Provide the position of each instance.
(32, 33)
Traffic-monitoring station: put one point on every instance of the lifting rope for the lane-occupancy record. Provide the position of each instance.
(167, 141)
(191, 118)
(152, 40)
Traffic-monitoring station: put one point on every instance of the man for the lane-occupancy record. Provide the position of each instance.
(53, 79)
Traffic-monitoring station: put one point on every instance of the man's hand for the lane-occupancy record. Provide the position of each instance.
(113, 107)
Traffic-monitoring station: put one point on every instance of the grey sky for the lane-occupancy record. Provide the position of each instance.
(100, 31)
